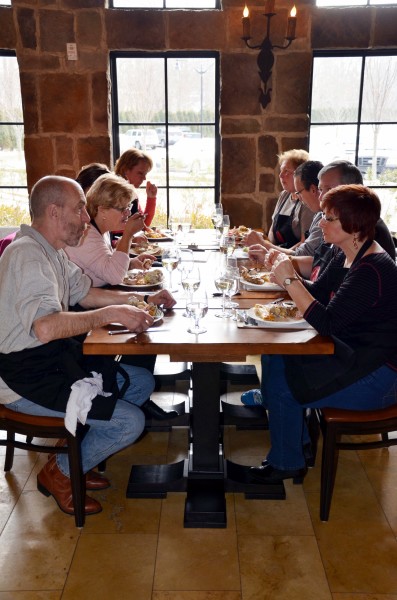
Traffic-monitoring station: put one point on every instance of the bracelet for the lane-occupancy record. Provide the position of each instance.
(146, 298)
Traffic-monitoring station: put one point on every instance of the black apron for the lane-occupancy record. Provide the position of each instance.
(282, 228)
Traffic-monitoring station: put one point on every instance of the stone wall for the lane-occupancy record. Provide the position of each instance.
(67, 107)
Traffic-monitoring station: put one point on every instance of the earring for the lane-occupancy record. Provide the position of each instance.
(355, 242)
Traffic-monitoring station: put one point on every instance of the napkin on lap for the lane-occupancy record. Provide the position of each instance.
(80, 400)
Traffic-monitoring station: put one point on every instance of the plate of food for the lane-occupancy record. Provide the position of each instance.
(257, 279)
(144, 279)
(280, 315)
(154, 235)
(152, 309)
(241, 253)
(240, 232)
(137, 249)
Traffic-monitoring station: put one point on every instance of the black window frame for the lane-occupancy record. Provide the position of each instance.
(216, 123)
(13, 54)
(364, 53)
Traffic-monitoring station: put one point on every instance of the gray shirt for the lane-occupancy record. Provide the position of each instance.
(36, 280)
(313, 240)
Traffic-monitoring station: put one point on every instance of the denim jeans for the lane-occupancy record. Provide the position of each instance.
(287, 425)
(105, 437)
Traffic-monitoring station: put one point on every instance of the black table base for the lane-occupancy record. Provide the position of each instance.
(205, 476)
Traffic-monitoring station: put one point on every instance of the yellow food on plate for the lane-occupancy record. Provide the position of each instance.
(152, 233)
(147, 249)
(150, 308)
(255, 276)
(276, 312)
(144, 278)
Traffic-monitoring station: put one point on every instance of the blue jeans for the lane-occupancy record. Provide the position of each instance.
(105, 437)
(287, 425)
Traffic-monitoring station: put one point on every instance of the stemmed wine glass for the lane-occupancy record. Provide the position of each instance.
(190, 282)
(225, 282)
(170, 260)
(216, 217)
(197, 308)
(227, 244)
(225, 225)
(186, 261)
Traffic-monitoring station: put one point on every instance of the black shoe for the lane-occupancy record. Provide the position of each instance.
(154, 411)
(307, 453)
(268, 474)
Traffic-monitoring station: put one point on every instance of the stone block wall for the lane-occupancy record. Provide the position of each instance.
(67, 104)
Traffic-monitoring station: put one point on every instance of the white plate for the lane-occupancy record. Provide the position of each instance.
(150, 250)
(265, 287)
(142, 286)
(156, 240)
(240, 254)
(286, 324)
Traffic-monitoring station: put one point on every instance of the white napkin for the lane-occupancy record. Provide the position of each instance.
(80, 400)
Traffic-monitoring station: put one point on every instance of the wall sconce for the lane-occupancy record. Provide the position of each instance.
(265, 58)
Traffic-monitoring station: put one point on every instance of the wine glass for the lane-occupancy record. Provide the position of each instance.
(227, 244)
(190, 282)
(170, 260)
(197, 308)
(186, 261)
(225, 225)
(216, 217)
(226, 283)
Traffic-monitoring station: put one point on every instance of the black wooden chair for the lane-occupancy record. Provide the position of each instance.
(46, 427)
(337, 422)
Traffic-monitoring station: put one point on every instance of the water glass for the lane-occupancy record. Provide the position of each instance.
(197, 308)
(170, 260)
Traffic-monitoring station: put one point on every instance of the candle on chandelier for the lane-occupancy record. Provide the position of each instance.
(291, 25)
(246, 23)
(269, 7)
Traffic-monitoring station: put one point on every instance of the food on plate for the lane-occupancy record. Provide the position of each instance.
(150, 308)
(239, 232)
(146, 249)
(154, 234)
(153, 277)
(256, 276)
(276, 312)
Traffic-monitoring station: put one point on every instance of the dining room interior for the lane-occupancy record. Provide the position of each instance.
(140, 547)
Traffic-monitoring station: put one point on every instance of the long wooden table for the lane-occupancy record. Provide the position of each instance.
(205, 475)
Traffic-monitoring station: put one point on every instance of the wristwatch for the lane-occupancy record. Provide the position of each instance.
(289, 280)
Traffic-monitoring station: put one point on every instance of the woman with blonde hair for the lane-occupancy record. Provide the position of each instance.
(134, 165)
(291, 218)
(109, 202)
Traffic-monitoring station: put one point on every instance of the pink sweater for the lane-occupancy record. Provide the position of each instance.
(98, 260)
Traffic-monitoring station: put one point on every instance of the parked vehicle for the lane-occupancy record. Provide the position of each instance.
(142, 139)
(192, 155)
(174, 135)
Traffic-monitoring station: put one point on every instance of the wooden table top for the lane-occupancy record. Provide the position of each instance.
(223, 341)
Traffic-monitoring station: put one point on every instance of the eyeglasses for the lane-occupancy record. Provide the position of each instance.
(329, 219)
(123, 209)
(298, 192)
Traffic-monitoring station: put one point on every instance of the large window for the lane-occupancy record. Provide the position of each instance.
(13, 187)
(354, 117)
(168, 105)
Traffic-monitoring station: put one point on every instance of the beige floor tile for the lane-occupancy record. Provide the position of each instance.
(37, 545)
(195, 559)
(112, 566)
(358, 548)
(174, 595)
(281, 568)
(274, 517)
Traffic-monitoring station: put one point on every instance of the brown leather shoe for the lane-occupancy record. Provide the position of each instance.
(95, 481)
(52, 482)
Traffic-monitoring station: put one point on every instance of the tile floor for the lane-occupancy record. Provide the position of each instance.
(138, 549)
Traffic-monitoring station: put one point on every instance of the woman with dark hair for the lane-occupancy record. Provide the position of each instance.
(133, 165)
(353, 301)
(90, 173)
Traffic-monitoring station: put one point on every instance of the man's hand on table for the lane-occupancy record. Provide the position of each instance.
(131, 317)
(162, 298)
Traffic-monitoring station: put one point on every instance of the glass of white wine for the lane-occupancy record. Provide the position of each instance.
(216, 217)
(197, 308)
(186, 261)
(190, 283)
(227, 244)
(170, 260)
(226, 283)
